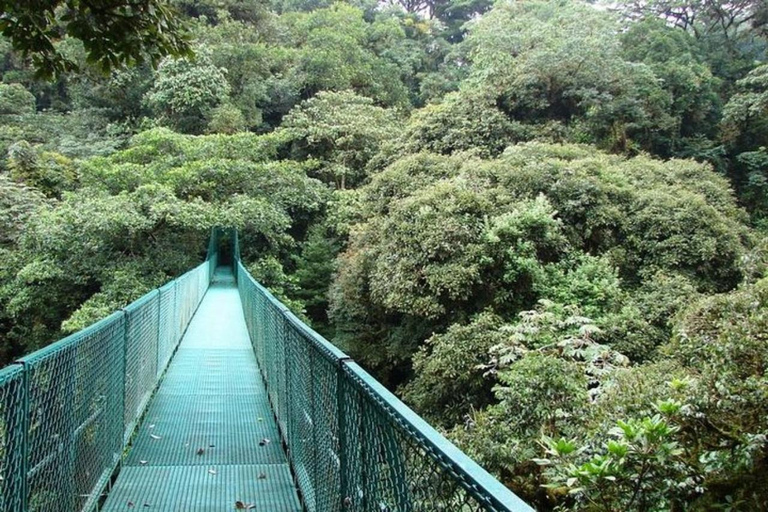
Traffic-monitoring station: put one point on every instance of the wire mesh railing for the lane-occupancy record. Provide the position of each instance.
(67, 411)
(352, 444)
(12, 397)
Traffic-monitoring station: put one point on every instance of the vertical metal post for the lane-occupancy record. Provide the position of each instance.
(345, 496)
(364, 445)
(69, 442)
(159, 334)
(313, 425)
(125, 375)
(22, 487)
(283, 400)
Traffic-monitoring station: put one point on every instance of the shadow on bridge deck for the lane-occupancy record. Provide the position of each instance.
(208, 439)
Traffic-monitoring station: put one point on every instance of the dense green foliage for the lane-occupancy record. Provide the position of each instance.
(542, 223)
(111, 32)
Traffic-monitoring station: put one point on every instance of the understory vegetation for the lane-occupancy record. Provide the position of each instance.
(542, 223)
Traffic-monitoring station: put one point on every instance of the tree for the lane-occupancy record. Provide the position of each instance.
(440, 239)
(186, 91)
(540, 393)
(450, 370)
(744, 128)
(451, 13)
(118, 96)
(640, 469)
(315, 266)
(463, 122)
(49, 173)
(746, 114)
(226, 118)
(688, 430)
(732, 33)
(18, 204)
(333, 54)
(341, 130)
(721, 341)
(560, 62)
(701, 17)
(676, 59)
(16, 100)
(262, 75)
(113, 33)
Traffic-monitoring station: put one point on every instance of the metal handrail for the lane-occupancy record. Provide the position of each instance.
(361, 448)
(69, 409)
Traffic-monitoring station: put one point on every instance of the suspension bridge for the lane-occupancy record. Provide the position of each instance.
(208, 394)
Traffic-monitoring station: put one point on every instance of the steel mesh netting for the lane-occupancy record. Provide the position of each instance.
(400, 465)
(75, 416)
(213, 253)
(142, 320)
(12, 397)
(202, 280)
(351, 443)
(189, 290)
(64, 408)
(275, 331)
(166, 343)
(261, 320)
(312, 416)
(183, 309)
(183, 292)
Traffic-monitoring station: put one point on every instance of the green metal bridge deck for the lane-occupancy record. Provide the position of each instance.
(209, 438)
(208, 394)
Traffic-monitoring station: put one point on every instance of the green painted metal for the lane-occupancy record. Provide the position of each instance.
(12, 439)
(165, 335)
(142, 321)
(209, 437)
(70, 410)
(352, 444)
(214, 488)
(75, 419)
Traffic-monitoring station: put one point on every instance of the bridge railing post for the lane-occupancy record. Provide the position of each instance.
(13, 467)
(345, 493)
(287, 380)
(23, 485)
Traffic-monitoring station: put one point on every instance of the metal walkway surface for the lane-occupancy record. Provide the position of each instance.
(208, 441)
